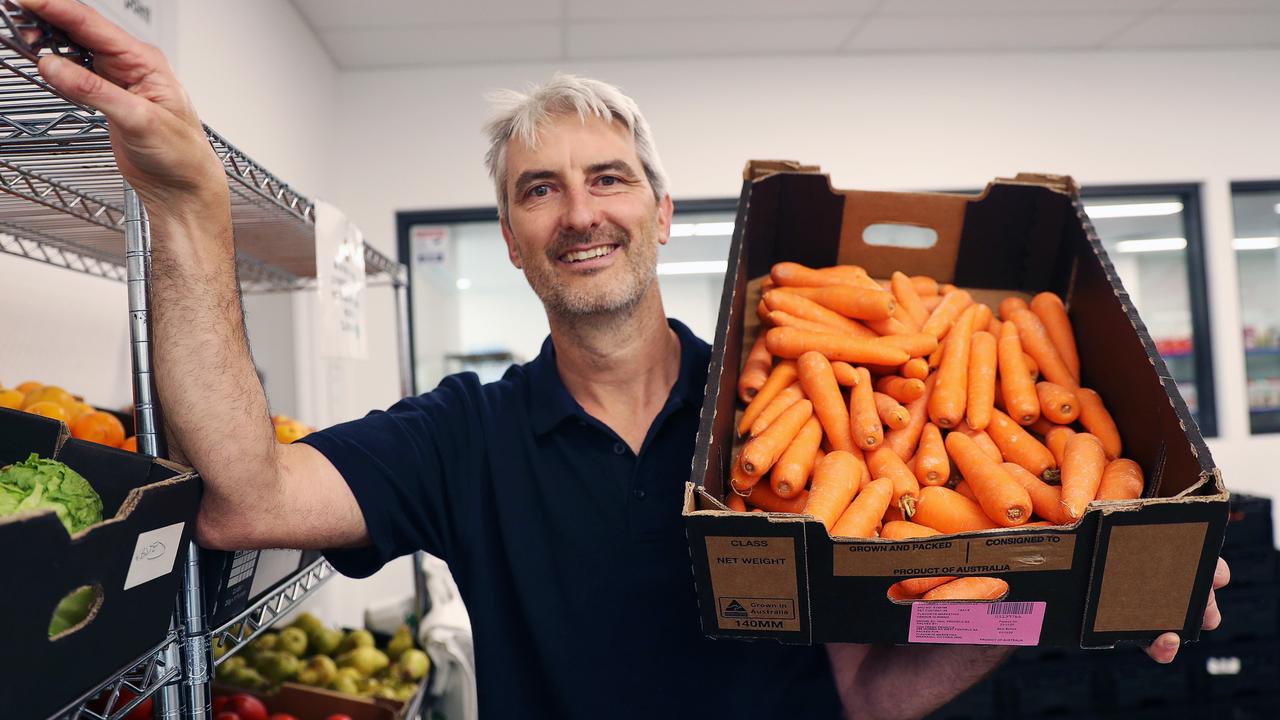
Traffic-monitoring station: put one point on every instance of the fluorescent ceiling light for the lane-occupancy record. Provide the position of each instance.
(1277, 208)
(1256, 243)
(707, 229)
(463, 283)
(1151, 245)
(694, 267)
(1154, 209)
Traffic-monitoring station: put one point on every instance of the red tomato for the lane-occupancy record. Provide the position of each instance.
(141, 712)
(338, 717)
(220, 703)
(226, 716)
(247, 707)
(282, 716)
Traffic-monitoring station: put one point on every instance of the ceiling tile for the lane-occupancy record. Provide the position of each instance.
(1014, 7)
(326, 14)
(728, 9)
(685, 38)
(1202, 30)
(378, 47)
(975, 33)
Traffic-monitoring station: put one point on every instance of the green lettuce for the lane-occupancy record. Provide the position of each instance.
(37, 483)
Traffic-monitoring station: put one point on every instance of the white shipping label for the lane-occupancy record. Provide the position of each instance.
(154, 554)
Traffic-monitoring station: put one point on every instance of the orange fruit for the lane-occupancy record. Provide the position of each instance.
(290, 431)
(130, 443)
(99, 427)
(11, 399)
(28, 386)
(49, 409)
(278, 420)
(52, 393)
(81, 409)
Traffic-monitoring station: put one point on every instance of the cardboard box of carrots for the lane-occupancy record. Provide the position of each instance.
(938, 418)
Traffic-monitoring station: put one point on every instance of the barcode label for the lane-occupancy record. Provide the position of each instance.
(1011, 608)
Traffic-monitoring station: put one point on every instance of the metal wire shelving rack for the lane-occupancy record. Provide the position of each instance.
(63, 202)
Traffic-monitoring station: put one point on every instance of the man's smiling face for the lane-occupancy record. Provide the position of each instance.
(582, 221)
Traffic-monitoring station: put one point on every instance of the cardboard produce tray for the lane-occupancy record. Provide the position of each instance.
(1123, 574)
(133, 559)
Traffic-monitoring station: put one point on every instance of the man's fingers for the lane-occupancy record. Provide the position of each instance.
(1165, 648)
(1212, 615)
(121, 107)
(84, 25)
(1221, 574)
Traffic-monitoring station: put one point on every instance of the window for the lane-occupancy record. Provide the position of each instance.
(1256, 208)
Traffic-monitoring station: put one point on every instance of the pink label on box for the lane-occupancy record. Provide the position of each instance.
(973, 623)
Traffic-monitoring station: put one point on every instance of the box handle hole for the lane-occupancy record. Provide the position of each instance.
(913, 590)
(900, 235)
(74, 611)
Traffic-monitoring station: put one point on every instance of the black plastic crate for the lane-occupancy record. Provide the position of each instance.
(977, 703)
(1249, 612)
(1251, 565)
(1250, 522)
(1130, 680)
(1063, 687)
(1245, 675)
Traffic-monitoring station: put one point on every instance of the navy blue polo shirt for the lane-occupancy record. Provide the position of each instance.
(568, 548)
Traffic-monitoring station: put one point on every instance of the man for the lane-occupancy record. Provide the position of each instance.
(553, 493)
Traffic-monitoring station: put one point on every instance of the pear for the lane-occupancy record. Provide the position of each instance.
(401, 641)
(318, 672)
(308, 623)
(406, 691)
(369, 686)
(412, 665)
(278, 666)
(230, 666)
(365, 659)
(346, 684)
(266, 642)
(324, 641)
(248, 678)
(219, 649)
(356, 639)
(292, 640)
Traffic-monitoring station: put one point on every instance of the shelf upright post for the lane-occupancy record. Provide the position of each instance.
(400, 286)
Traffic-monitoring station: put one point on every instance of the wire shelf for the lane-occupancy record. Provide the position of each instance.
(251, 623)
(142, 678)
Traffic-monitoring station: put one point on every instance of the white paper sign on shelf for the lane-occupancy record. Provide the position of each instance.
(430, 244)
(341, 284)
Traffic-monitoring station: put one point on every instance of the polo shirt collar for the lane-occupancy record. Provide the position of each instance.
(551, 403)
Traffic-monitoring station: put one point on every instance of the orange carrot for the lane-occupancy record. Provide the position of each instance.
(947, 404)
(818, 455)
(778, 318)
(893, 514)
(914, 588)
(947, 312)
(793, 468)
(1053, 314)
(1082, 463)
(904, 441)
(906, 489)
(915, 369)
(854, 302)
(925, 286)
(915, 344)
(950, 512)
(734, 502)
(791, 343)
(789, 274)
(1011, 304)
(762, 312)
(945, 288)
(864, 513)
(984, 441)
(1041, 427)
(890, 411)
(1036, 343)
(1057, 403)
(1056, 441)
(982, 317)
(767, 284)
(835, 482)
(902, 389)
(1016, 387)
(819, 383)
(994, 325)
(935, 357)
(906, 530)
(763, 497)
(782, 376)
(932, 466)
(755, 371)
(1018, 446)
(905, 292)
(966, 490)
(806, 309)
(1001, 497)
(982, 380)
(969, 588)
(783, 400)
(739, 480)
(864, 422)
(930, 302)
(1046, 500)
(845, 374)
(1032, 367)
(763, 450)
(1095, 418)
(1121, 480)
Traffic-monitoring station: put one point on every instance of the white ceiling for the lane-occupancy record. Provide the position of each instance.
(446, 32)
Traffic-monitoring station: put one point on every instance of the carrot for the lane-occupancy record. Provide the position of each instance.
(1046, 500)
(1057, 403)
(904, 441)
(734, 502)
(755, 371)
(767, 284)
(915, 369)
(819, 383)
(806, 309)
(890, 411)
(817, 456)
(739, 480)
(893, 514)
(864, 513)
(950, 512)
(864, 421)
(763, 450)
(930, 302)
(1042, 427)
(763, 497)
(935, 357)
(778, 318)
(1011, 304)
(855, 302)
(905, 292)
(1056, 441)
(994, 325)
(1032, 366)
(793, 468)
(944, 288)
(906, 489)
(1001, 497)
(914, 588)
(982, 379)
(1095, 418)
(1053, 314)
(835, 482)
(791, 343)
(947, 312)
(902, 389)
(984, 441)
(1016, 386)
(845, 374)
(762, 312)
(969, 588)
(1018, 446)
(947, 404)
(916, 345)
(982, 317)
(783, 400)
(1083, 461)
(1036, 343)
(966, 490)
(897, 593)
(932, 466)
(1121, 480)
(905, 530)
(783, 374)
(789, 274)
